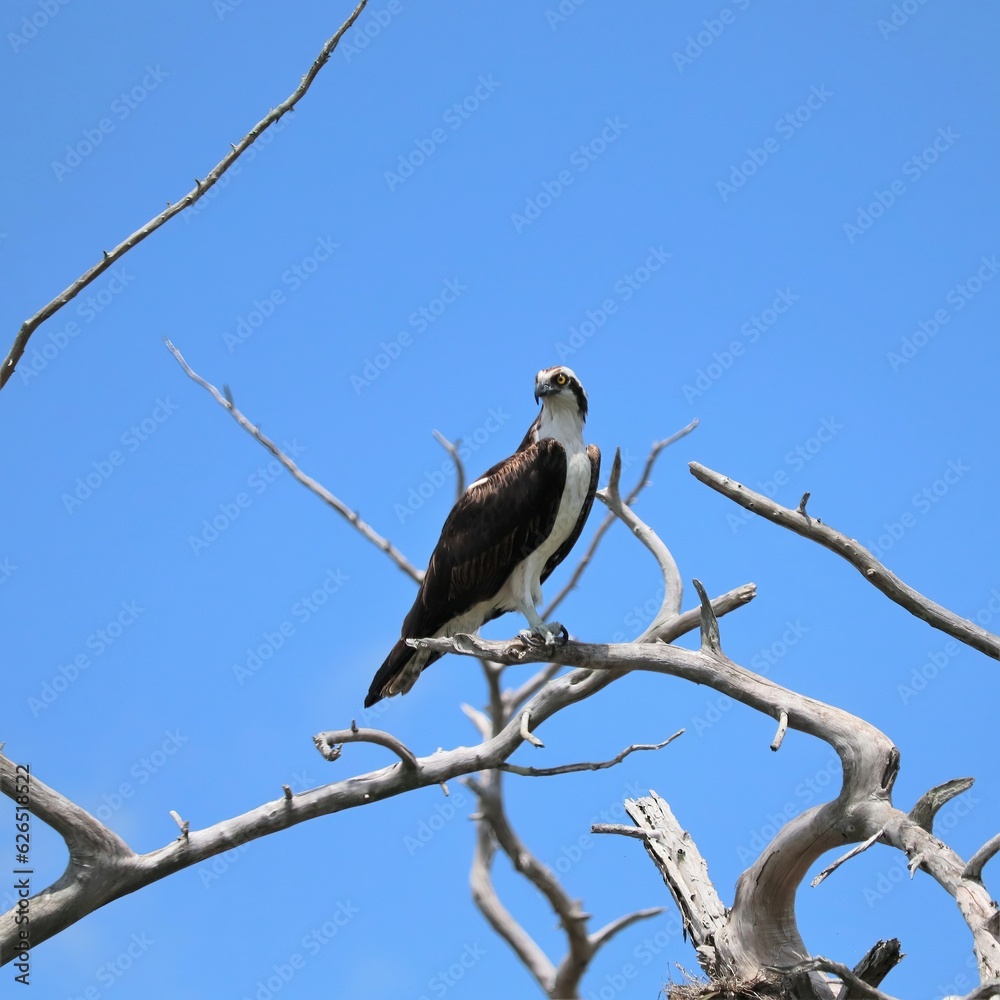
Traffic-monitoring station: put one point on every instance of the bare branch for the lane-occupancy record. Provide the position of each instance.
(608, 931)
(974, 869)
(779, 736)
(859, 988)
(484, 895)
(690, 620)
(321, 491)
(329, 743)
(621, 830)
(87, 839)
(546, 772)
(654, 454)
(609, 519)
(452, 450)
(103, 868)
(110, 257)
(763, 909)
(858, 556)
(929, 803)
(672, 584)
(853, 852)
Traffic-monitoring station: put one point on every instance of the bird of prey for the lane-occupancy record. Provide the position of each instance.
(504, 536)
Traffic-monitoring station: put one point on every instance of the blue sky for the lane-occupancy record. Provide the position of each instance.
(778, 218)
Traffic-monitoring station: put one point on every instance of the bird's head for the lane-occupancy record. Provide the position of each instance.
(559, 388)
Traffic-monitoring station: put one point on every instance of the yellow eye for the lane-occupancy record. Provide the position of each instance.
(561, 379)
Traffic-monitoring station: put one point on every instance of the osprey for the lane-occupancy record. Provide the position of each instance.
(505, 535)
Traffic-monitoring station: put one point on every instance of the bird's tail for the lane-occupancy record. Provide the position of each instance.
(399, 672)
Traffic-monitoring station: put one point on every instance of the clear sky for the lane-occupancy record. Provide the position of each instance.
(779, 218)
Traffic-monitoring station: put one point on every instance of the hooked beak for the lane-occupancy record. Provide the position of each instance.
(545, 389)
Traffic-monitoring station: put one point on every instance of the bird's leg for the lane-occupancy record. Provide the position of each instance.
(542, 633)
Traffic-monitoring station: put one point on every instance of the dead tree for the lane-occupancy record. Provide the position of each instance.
(751, 948)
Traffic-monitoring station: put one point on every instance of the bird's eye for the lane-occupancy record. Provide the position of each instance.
(561, 379)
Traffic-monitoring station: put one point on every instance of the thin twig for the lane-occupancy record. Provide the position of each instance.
(858, 556)
(621, 830)
(974, 869)
(609, 930)
(226, 401)
(547, 772)
(452, 450)
(853, 852)
(110, 257)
